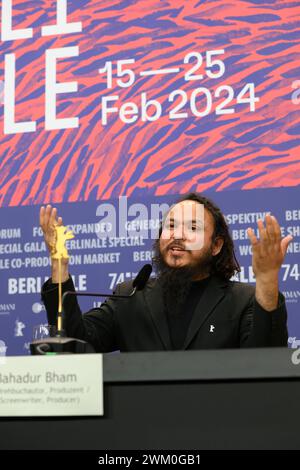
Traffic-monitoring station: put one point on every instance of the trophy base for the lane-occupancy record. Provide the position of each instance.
(60, 345)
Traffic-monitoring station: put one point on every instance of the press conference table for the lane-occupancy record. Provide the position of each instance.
(225, 399)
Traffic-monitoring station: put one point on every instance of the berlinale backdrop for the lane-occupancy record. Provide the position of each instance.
(112, 108)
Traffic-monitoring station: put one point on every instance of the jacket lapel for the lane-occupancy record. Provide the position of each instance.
(212, 295)
(154, 300)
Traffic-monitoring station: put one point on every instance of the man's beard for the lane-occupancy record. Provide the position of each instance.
(176, 282)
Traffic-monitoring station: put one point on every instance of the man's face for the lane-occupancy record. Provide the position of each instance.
(186, 239)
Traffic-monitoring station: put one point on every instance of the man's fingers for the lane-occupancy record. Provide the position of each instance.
(270, 228)
(48, 218)
(52, 219)
(252, 237)
(42, 216)
(47, 215)
(276, 228)
(285, 243)
(263, 235)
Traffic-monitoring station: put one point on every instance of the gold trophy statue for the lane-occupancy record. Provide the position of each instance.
(59, 251)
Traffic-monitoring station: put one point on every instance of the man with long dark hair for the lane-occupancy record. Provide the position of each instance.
(192, 303)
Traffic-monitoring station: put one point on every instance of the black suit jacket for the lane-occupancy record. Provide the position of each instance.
(227, 316)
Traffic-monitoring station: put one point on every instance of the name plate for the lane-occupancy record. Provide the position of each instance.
(62, 385)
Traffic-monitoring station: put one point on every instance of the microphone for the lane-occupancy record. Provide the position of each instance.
(61, 344)
(141, 279)
(138, 284)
